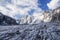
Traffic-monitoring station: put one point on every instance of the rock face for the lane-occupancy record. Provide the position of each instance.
(56, 14)
(5, 20)
(1, 18)
(27, 19)
(47, 16)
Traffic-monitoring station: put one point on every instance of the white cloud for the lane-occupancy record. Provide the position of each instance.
(53, 4)
(20, 7)
(17, 8)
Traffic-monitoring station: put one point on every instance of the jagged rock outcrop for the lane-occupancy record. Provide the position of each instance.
(56, 15)
(44, 17)
(27, 19)
(47, 16)
(5, 20)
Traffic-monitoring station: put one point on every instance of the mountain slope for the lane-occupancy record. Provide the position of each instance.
(5, 20)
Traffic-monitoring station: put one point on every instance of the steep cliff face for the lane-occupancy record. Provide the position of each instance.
(1, 17)
(56, 14)
(5, 20)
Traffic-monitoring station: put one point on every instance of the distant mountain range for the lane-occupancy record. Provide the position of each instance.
(47, 16)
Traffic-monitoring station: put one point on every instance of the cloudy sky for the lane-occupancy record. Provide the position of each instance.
(18, 8)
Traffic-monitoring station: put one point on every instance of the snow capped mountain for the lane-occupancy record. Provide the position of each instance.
(46, 16)
(31, 19)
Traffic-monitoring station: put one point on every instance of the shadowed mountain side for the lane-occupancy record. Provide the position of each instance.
(6, 20)
(56, 14)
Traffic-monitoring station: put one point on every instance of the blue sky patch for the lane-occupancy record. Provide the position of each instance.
(43, 3)
(31, 11)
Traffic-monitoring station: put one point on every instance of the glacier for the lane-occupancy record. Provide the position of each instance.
(42, 31)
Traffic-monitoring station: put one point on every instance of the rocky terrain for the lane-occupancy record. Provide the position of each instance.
(42, 31)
